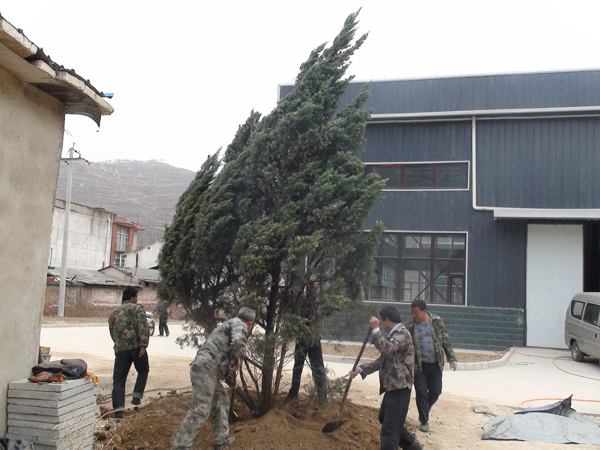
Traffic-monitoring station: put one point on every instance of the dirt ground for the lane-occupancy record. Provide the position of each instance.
(288, 426)
(297, 425)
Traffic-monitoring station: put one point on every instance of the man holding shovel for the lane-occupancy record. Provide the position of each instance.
(218, 355)
(396, 368)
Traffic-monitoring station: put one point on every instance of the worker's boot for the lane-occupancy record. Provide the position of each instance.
(227, 442)
(416, 446)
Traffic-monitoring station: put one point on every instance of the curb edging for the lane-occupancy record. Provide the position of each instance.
(460, 366)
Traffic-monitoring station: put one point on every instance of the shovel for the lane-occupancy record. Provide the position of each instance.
(335, 424)
(233, 388)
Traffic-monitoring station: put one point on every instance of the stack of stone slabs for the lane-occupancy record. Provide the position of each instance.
(54, 416)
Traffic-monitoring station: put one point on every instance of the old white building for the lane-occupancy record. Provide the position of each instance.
(144, 258)
(90, 236)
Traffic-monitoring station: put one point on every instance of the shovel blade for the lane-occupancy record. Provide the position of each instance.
(333, 425)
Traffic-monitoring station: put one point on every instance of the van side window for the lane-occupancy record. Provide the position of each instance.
(591, 314)
(577, 309)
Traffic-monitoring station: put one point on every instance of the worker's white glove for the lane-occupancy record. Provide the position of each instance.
(453, 365)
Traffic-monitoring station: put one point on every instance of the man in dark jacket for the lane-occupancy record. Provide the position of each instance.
(395, 366)
(431, 341)
(129, 331)
(310, 346)
(163, 328)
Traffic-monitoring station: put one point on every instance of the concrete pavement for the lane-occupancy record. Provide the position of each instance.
(529, 374)
(522, 378)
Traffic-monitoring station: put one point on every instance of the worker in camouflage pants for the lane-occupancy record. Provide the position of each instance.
(218, 355)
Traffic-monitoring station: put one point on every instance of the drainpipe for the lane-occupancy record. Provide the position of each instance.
(474, 162)
(108, 242)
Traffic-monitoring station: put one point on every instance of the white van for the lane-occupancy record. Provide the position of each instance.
(582, 326)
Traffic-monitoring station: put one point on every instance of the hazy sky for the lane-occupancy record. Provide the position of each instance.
(186, 74)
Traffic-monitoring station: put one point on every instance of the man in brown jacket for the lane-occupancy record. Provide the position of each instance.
(396, 367)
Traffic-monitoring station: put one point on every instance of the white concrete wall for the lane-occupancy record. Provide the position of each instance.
(147, 257)
(31, 131)
(90, 233)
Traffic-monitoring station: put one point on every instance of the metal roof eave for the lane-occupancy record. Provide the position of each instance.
(549, 214)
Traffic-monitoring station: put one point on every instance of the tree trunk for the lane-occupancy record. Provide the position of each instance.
(280, 368)
(266, 394)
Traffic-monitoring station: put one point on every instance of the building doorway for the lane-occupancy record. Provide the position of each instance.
(554, 275)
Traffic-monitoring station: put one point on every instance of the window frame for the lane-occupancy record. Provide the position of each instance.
(433, 261)
(122, 239)
(591, 309)
(435, 164)
(574, 313)
(120, 259)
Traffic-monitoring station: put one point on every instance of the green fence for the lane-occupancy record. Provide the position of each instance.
(470, 327)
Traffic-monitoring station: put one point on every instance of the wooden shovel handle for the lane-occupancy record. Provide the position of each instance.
(362, 349)
(233, 389)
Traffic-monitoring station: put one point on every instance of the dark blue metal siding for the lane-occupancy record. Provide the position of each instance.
(423, 211)
(497, 249)
(496, 252)
(535, 163)
(552, 163)
(418, 142)
(497, 261)
(540, 90)
(506, 91)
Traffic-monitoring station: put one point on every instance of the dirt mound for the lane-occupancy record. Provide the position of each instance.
(296, 425)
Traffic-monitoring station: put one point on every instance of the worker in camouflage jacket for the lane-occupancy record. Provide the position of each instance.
(432, 342)
(129, 331)
(218, 356)
(395, 366)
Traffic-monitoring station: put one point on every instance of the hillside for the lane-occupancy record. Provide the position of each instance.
(142, 191)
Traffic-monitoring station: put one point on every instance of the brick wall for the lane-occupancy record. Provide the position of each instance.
(92, 301)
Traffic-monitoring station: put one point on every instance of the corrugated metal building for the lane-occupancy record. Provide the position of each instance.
(492, 203)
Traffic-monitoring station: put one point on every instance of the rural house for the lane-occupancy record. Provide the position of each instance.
(90, 236)
(88, 293)
(124, 240)
(36, 95)
(97, 238)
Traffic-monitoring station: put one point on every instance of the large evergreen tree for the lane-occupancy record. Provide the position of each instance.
(287, 208)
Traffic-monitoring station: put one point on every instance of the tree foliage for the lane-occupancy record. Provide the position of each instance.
(284, 207)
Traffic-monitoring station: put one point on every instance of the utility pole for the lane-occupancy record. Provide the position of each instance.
(63, 264)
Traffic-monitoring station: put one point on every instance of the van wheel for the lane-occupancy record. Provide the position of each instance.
(575, 352)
